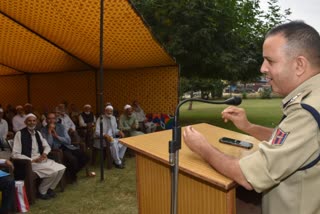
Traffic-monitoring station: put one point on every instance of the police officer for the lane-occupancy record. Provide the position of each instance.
(285, 168)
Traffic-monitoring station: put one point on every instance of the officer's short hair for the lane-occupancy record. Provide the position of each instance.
(302, 39)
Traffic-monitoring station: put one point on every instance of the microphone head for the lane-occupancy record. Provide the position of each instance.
(234, 101)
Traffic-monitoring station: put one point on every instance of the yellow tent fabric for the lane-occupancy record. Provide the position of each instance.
(50, 53)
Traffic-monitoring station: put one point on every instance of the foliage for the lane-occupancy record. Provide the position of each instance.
(206, 86)
(265, 93)
(217, 89)
(244, 95)
(217, 39)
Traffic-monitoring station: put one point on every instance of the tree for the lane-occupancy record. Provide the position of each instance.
(219, 39)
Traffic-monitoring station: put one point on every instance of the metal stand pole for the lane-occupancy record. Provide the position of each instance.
(101, 89)
(175, 146)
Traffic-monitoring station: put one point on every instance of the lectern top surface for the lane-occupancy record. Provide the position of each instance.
(155, 145)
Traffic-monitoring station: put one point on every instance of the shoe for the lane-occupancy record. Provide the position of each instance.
(118, 166)
(91, 174)
(44, 196)
(123, 161)
(51, 193)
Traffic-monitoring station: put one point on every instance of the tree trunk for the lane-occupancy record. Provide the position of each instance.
(190, 103)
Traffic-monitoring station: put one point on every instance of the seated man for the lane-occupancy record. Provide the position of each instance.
(28, 109)
(18, 119)
(3, 129)
(111, 134)
(87, 121)
(66, 121)
(115, 111)
(30, 145)
(144, 124)
(7, 187)
(74, 114)
(58, 138)
(9, 113)
(128, 122)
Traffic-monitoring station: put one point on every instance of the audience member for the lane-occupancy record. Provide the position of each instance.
(66, 121)
(9, 114)
(30, 145)
(3, 129)
(7, 188)
(115, 111)
(58, 138)
(18, 119)
(111, 135)
(87, 121)
(128, 122)
(144, 124)
(28, 109)
(74, 114)
(43, 117)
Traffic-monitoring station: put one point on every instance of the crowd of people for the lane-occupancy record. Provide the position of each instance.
(36, 137)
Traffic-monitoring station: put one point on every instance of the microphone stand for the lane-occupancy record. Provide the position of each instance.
(175, 146)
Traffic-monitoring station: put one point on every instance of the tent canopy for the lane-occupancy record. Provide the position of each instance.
(52, 37)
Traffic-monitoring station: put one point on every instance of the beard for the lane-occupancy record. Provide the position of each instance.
(31, 127)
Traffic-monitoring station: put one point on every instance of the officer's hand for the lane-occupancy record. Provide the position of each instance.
(237, 116)
(195, 141)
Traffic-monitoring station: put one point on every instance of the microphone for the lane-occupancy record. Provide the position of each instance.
(231, 101)
(175, 145)
(235, 101)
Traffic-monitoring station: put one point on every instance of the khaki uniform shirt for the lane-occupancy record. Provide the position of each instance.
(293, 144)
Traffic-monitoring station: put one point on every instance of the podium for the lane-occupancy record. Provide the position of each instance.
(201, 190)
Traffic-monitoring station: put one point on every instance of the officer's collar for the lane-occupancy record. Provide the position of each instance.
(309, 84)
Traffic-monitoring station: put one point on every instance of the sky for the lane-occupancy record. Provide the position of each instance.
(306, 10)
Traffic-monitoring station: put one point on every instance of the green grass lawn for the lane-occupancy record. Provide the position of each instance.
(117, 193)
(260, 111)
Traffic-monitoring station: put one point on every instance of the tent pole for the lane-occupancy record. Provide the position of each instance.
(101, 89)
(28, 89)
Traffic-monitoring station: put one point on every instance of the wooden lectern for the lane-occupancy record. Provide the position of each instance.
(201, 189)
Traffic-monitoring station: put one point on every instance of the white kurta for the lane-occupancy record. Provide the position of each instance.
(43, 169)
(67, 122)
(18, 122)
(3, 129)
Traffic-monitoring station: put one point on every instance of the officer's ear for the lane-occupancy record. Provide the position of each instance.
(301, 65)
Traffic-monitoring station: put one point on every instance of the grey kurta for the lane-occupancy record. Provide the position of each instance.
(43, 169)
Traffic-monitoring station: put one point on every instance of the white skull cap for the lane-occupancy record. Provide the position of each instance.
(127, 107)
(109, 107)
(30, 115)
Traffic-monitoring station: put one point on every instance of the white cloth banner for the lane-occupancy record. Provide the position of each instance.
(21, 196)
